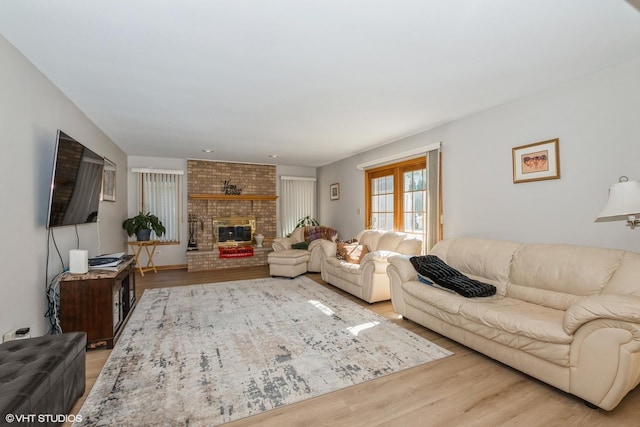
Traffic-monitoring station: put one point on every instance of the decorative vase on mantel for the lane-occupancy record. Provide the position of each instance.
(259, 239)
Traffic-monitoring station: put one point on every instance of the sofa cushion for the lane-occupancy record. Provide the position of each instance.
(297, 235)
(485, 260)
(370, 238)
(409, 246)
(519, 318)
(557, 276)
(516, 317)
(390, 241)
(434, 299)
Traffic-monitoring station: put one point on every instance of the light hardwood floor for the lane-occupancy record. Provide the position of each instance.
(466, 389)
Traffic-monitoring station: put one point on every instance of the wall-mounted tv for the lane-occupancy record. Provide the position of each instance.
(76, 183)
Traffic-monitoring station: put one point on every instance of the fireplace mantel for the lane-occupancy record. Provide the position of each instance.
(232, 197)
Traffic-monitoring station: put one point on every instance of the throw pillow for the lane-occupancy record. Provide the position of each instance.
(300, 245)
(357, 253)
(341, 250)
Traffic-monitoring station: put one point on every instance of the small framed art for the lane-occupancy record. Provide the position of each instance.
(109, 181)
(334, 191)
(536, 162)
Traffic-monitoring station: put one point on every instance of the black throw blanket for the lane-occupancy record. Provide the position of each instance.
(448, 277)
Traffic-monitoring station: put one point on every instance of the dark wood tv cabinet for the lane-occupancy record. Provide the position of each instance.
(98, 302)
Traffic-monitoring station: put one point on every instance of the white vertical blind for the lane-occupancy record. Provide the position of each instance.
(297, 200)
(160, 195)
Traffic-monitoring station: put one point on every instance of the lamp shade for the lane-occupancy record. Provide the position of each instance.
(624, 200)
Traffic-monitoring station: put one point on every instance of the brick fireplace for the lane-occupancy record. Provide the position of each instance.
(207, 183)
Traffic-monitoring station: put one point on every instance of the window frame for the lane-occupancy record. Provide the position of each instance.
(397, 170)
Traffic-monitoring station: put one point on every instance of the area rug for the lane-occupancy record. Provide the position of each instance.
(210, 354)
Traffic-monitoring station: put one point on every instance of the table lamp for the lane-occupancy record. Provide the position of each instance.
(623, 203)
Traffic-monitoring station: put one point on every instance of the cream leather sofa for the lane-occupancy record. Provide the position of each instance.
(567, 315)
(367, 280)
(301, 234)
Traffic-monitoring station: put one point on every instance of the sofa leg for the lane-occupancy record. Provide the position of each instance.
(590, 405)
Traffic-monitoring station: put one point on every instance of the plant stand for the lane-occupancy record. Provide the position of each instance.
(150, 247)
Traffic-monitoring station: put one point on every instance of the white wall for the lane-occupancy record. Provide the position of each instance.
(32, 109)
(596, 120)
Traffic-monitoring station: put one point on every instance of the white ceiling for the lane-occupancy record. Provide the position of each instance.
(310, 81)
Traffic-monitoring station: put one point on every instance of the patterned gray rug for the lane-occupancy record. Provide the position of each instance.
(209, 354)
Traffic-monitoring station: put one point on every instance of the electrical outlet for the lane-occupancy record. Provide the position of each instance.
(16, 334)
(10, 335)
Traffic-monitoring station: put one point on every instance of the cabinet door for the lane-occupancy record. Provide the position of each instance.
(128, 290)
(116, 293)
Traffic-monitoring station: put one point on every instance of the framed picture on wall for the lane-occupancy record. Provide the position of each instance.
(536, 162)
(109, 181)
(334, 191)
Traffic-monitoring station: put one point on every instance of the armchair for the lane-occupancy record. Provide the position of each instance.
(307, 238)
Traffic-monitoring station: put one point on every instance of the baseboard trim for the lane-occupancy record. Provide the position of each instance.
(172, 267)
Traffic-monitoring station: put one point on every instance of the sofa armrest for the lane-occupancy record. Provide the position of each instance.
(614, 307)
(282, 243)
(329, 248)
(314, 244)
(379, 259)
(403, 267)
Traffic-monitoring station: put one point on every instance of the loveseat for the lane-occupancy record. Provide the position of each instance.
(567, 315)
(367, 278)
(307, 238)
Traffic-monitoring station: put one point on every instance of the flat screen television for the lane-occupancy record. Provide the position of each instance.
(76, 184)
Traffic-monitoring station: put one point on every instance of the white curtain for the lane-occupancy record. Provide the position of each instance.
(433, 199)
(160, 195)
(297, 200)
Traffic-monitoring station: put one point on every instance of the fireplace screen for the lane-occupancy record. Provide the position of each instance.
(230, 231)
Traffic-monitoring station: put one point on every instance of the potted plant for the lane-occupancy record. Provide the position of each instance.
(307, 220)
(142, 224)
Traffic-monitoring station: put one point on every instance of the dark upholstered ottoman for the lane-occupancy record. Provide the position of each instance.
(43, 375)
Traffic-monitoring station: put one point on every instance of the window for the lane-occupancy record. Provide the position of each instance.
(297, 200)
(404, 197)
(381, 216)
(159, 193)
(414, 207)
(397, 200)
